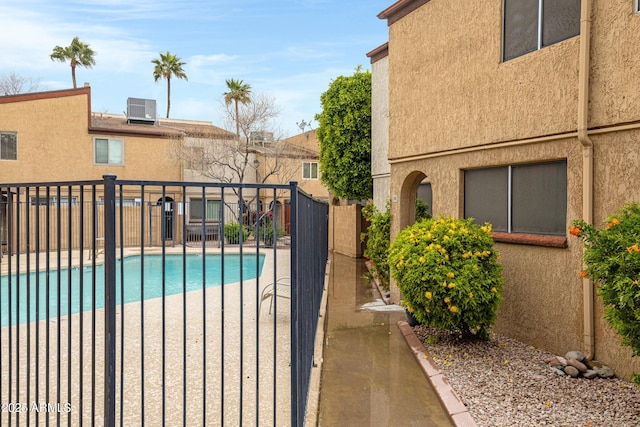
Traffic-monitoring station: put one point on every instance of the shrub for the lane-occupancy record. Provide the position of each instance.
(422, 210)
(612, 258)
(378, 240)
(378, 237)
(448, 273)
(268, 233)
(232, 233)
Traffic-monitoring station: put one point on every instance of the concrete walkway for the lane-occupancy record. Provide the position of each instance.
(370, 376)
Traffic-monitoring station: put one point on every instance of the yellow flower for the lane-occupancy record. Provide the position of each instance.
(447, 300)
(428, 295)
(452, 285)
(494, 290)
(467, 255)
(470, 294)
(450, 275)
(633, 248)
(410, 309)
(444, 284)
(421, 259)
(453, 309)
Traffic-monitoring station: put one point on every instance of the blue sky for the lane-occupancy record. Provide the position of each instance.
(289, 50)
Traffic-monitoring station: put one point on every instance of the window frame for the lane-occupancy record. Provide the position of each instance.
(636, 6)
(109, 162)
(311, 168)
(52, 201)
(213, 217)
(15, 142)
(558, 238)
(539, 29)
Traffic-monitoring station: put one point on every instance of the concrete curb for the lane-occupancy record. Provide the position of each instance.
(313, 401)
(458, 412)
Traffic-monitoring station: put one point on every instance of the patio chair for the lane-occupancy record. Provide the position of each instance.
(280, 288)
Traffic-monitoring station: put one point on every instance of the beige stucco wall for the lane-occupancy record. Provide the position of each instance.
(380, 168)
(614, 97)
(454, 105)
(54, 144)
(345, 228)
(449, 88)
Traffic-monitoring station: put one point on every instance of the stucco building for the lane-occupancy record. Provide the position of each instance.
(525, 115)
(54, 136)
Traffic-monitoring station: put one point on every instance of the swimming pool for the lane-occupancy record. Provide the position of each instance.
(131, 267)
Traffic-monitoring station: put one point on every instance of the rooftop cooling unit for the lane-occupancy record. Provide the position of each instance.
(141, 110)
(262, 138)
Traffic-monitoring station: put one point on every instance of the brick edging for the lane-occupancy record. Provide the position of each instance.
(458, 412)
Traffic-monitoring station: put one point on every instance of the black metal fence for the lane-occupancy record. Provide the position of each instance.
(139, 302)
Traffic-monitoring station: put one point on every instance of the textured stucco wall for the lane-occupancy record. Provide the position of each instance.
(380, 168)
(615, 65)
(454, 105)
(449, 88)
(555, 290)
(54, 144)
(345, 227)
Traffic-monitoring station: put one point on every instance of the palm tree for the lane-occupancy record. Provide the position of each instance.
(239, 92)
(168, 65)
(77, 53)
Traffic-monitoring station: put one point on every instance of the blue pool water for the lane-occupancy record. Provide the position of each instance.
(174, 283)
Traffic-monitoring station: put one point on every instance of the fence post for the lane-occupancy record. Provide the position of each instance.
(109, 300)
(295, 354)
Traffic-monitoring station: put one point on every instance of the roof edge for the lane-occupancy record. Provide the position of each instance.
(33, 96)
(379, 53)
(400, 9)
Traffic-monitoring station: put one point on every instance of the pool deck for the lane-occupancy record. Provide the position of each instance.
(189, 337)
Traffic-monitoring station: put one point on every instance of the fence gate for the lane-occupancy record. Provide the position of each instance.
(158, 303)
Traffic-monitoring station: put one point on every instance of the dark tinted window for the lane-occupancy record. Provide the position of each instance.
(486, 196)
(539, 198)
(561, 20)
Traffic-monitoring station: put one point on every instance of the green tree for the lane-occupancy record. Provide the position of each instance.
(344, 133)
(239, 92)
(77, 53)
(166, 66)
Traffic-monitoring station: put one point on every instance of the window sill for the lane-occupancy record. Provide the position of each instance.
(531, 239)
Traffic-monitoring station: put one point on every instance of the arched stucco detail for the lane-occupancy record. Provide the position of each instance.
(408, 193)
(403, 213)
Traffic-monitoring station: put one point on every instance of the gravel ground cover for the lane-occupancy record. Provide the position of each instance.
(504, 382)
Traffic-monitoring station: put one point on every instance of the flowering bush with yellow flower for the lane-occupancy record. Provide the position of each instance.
(448, 273)
(612, 258)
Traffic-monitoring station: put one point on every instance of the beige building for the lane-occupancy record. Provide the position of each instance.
(526, 117)
(53, 136)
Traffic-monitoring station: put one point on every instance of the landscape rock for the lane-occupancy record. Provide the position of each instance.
(578, 365)
(572, 371)
(605, 372)
(590, 374)
(575, 354)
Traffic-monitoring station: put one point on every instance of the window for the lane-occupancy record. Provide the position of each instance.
(310, 170)
(636, 5)
(126, 201)
(529, 199)
(524, 31)
(52, 200)
(213, 210)
(108, 151)
(8, 146)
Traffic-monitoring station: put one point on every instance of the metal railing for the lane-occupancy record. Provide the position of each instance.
(140, 302)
